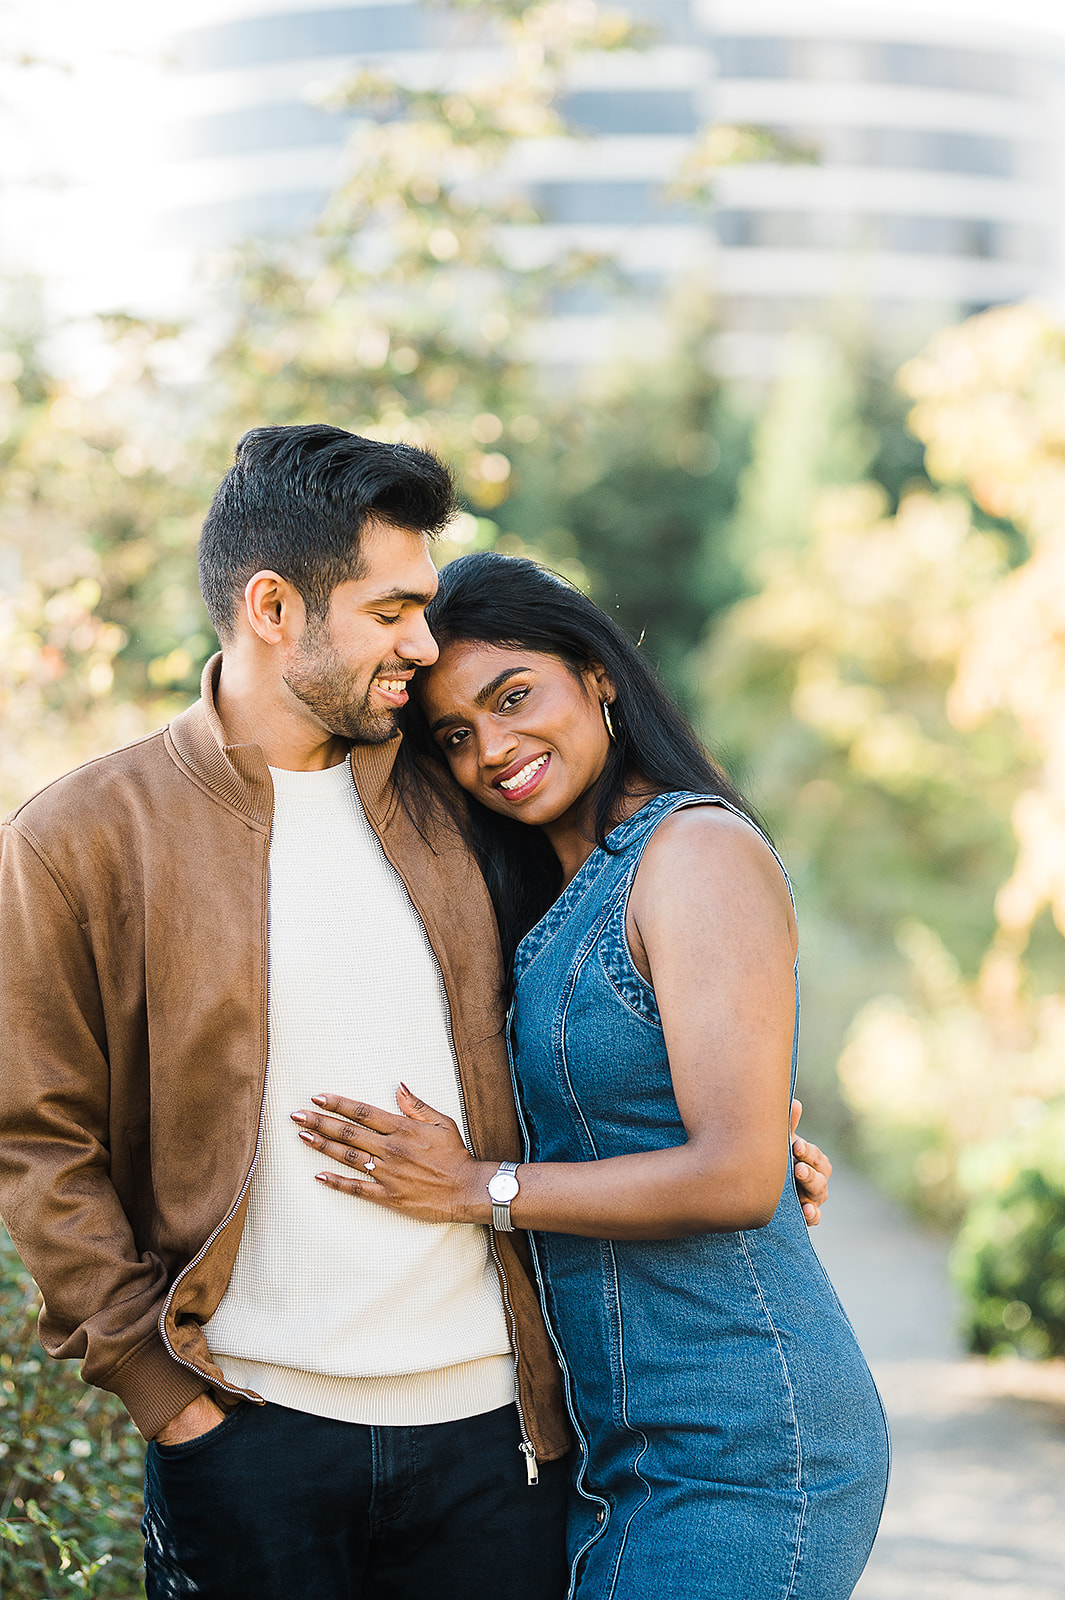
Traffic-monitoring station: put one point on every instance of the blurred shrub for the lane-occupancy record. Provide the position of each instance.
(71, 1465)
(1009, 1260)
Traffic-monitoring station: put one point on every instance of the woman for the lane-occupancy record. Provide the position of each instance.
(732, 1443)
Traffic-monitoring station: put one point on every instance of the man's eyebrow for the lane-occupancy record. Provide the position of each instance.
(419, 597)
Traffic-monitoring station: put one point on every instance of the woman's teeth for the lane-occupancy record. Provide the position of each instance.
(525, 774)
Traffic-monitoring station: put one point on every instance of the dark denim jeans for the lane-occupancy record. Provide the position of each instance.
(276, 1504)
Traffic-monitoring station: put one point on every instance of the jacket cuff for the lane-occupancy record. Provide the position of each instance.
(154, 1387)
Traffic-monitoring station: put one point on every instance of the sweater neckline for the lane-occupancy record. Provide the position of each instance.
(323, 784)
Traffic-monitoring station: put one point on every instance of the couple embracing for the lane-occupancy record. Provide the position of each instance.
(409, 1300)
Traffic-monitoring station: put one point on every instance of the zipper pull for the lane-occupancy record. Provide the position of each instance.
(530, 1462)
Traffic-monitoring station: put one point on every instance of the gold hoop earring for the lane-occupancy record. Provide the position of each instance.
(608, 720)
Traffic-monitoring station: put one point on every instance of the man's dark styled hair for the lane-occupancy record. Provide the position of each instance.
(295, 501)
(506, 600)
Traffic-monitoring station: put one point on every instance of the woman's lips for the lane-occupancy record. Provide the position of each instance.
(520, 781)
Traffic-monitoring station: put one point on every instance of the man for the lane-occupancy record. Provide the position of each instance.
(329, 1390)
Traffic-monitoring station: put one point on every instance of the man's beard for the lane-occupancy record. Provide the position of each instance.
(329, 688)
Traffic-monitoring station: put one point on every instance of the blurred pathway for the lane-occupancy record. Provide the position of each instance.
(977, 1501)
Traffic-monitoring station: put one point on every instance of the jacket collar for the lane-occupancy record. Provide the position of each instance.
(238, 773)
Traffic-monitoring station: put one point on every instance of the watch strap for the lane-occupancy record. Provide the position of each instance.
(501, 1208)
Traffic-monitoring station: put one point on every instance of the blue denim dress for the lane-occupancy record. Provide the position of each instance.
(732, 1444)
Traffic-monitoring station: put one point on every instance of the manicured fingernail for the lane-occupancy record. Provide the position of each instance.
(308, 1138)
(317, 1100)
(299, 1116)
(403, 1086)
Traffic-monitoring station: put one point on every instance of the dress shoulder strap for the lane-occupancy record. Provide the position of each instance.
(638, 828)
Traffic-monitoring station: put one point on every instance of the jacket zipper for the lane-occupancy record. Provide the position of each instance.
(526, 1447)
(248, 1394)
(191, 1365)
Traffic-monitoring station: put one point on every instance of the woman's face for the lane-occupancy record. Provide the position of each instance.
(522, 731)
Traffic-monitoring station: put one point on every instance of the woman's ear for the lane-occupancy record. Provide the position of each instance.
(600, 683)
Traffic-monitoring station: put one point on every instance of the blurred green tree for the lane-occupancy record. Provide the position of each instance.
(895, 686)
(825, 691)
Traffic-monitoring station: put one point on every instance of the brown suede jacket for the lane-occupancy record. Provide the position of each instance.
(133, 962)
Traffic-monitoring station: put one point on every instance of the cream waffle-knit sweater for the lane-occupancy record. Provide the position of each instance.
(336, 1306)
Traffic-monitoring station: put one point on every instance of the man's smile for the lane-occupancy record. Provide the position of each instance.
(394, 687)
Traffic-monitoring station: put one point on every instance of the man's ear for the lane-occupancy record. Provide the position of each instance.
(273, 608)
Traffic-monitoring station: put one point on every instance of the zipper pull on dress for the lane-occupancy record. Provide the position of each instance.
(530, 1462)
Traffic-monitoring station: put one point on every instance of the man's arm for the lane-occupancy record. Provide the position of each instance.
(102, 1296)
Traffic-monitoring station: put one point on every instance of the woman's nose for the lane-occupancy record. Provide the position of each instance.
(498, 747)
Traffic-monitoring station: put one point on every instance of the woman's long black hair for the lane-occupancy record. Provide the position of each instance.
(506, 600)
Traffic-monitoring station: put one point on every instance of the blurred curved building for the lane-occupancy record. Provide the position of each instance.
(937, 187)
(932, 185)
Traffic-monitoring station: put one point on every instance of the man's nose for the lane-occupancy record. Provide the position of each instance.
(418, 645)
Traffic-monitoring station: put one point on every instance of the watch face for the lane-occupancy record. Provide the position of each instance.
(503, 1187)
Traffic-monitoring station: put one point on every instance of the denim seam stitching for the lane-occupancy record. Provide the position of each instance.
(652, 1021)
(590, 945)
(625, 1415)
(375, 1464)
(613, 946)
(542, 932)
(643, 1002)
(795, 1421)
(625, 979)
(559, 1036)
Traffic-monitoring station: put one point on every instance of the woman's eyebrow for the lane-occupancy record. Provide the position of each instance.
(481, 697)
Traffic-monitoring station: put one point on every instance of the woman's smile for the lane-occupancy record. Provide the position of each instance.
(516, 784)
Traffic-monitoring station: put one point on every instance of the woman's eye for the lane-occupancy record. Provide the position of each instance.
(453, 740)
(513, 697)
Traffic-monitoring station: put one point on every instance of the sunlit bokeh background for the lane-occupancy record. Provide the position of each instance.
(748, 316)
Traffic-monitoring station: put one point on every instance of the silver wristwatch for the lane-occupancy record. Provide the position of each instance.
(502, 1187)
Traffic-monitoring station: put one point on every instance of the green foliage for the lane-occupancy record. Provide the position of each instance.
(1009, 1263)
(638, 480)
(826, 692)
(71, 1464)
